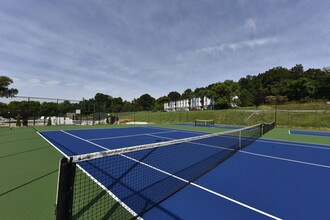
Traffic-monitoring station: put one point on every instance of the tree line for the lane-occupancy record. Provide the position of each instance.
(276, 85)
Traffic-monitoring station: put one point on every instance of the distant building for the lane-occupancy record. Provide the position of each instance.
(233, 102)
(196, 103)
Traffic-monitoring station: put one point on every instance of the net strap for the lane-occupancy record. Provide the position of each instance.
(269, 124)
(96, 155)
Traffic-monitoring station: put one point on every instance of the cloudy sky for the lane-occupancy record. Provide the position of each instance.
(74, 49)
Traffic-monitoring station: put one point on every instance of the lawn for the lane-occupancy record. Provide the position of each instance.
(28, 169)
(309, 119)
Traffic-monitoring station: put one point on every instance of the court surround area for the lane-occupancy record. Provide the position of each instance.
(267, 179)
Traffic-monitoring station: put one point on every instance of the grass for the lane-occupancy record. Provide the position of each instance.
(321, 105)
(29, 165)
(28, 170)
(311, 119)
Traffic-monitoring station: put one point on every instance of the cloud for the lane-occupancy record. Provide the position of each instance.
(250, 24)
(52, 82)
(253, 43)
(238, 45)
(34, 81)
(211, 50)
(78, 48)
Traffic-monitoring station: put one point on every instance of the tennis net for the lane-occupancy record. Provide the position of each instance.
(268, 126)
(125, 183)
(200, 122)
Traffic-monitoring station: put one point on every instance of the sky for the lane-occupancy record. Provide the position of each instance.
(73, 49)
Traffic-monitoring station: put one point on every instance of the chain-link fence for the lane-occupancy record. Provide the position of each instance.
(37, 111)
(45, 111)
(24, 111)
(233, 117)
(317, 119)
(304, 118)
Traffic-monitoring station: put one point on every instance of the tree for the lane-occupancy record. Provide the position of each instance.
(65, 107)
(222, 92)
(86, 106)
(102, 102)
(4, 90)
(222, 103)
(200, 92)
(275, 81)
(34, 108)
(4, 109)
(135, 106)
(159, 104)
(297, 71)
(323, 86)
(301, 88)
(187, 94)
(245, 98)
(49, 109)
(174, 96)
(117, 104)
(127, 107)
(146, 102)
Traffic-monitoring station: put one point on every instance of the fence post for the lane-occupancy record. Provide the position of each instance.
(317, 123)
(275, 113)
(240, 140)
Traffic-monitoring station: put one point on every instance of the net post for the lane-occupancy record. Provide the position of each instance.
(262, 129)
(64, 198)
(240, 140)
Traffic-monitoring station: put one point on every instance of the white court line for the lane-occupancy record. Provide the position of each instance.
(207, 145)
(52, 144)
(193, 132)
(100, 184)
(289, 143)
(97, 182)
(203, 188)
(179, 130)
(167, 130)
(132, 135)
(256, 154)
(131, 211)
(75, 136)
(196, 185)
(286, 159)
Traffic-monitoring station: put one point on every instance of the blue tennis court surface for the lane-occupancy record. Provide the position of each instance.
(266, 180)
(312, 133)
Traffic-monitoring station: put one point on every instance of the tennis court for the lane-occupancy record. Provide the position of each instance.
(310, 133)
(267, 179)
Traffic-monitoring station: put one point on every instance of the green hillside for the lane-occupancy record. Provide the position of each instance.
(310, 115)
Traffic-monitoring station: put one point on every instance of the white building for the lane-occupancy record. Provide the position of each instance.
(196, 103)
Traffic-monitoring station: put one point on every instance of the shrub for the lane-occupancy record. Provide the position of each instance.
(49, 122)
(18, 121)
